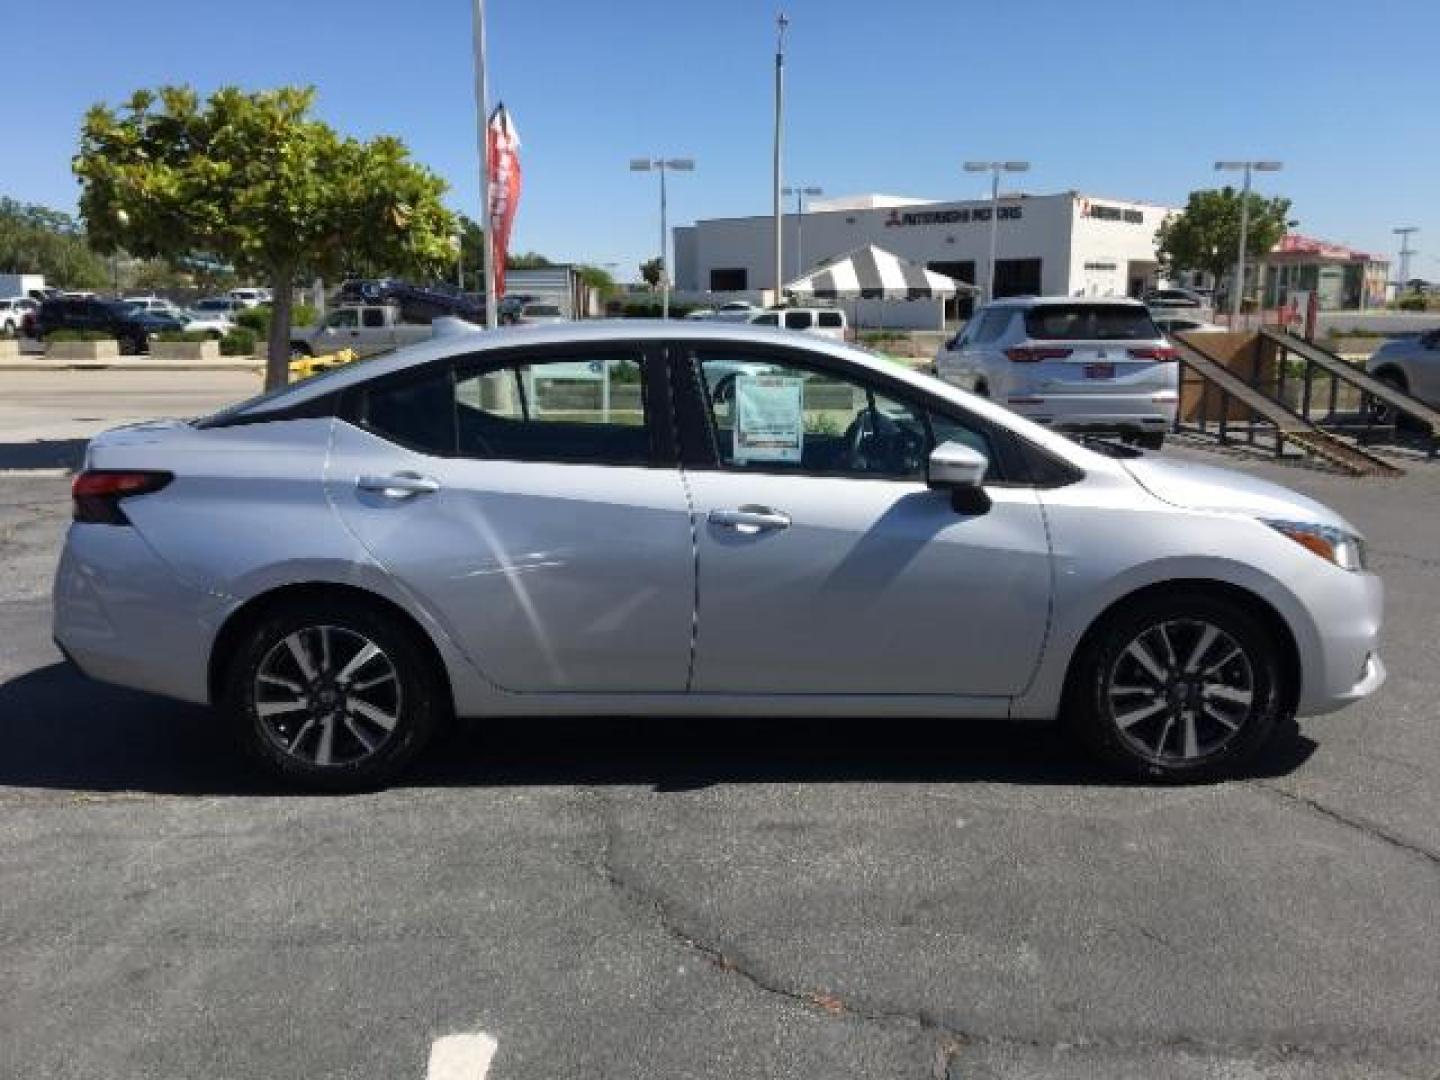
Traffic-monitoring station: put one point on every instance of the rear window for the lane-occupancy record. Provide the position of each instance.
(1089, 322)
(831, 319)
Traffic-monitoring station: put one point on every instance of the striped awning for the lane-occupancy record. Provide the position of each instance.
(870, 273)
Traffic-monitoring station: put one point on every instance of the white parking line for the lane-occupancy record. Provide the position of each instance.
(465, 1056)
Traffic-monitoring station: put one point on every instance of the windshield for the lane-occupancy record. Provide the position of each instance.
(1089, 322)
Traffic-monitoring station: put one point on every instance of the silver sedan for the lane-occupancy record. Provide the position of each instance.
(694, 519)
(1410, 364)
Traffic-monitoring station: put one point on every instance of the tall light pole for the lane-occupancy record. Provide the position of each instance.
(994, 168)
(1403, 270)
(800, 194)
(662, 166)
(1238, 290)
(781, 22)
(482, 135)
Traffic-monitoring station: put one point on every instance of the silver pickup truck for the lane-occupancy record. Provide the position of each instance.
(368, 329)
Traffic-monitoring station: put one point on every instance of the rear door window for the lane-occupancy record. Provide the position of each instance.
(374, 319)
(831, 320)
(797, 320)
(991, 326)
(1089, 322)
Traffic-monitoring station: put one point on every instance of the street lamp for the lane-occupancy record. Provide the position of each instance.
(1247, 167)
(662, 166)
(994, 168)
(800, 194)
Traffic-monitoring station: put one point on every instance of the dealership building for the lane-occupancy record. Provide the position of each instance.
(1065, 244)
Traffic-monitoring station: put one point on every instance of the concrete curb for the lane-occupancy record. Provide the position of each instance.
(129, 363)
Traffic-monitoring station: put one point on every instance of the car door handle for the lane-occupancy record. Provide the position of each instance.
(399, 485)
(750, 519)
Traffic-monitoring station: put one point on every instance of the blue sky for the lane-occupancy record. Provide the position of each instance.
(1123, 99)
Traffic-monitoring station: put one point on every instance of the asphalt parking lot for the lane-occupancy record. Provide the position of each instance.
(710, 899)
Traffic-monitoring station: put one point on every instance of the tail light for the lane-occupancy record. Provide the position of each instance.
(98, 493)
(1158, 352)
(1033, 354)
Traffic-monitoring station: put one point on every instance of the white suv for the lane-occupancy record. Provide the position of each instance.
(1079, 364)
(822, 322)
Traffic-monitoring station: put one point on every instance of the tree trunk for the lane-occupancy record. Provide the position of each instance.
(277, 362)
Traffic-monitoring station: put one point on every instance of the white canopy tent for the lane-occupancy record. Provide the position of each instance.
(871, 273)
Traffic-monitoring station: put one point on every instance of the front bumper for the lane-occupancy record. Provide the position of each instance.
(1341, 663)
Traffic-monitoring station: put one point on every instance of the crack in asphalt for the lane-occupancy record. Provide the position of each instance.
(948, 1042)
(1368, 828)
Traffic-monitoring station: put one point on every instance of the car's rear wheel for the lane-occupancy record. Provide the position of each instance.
(1383, 413)
(1179, 688)
(1150, 440)
(341, 698)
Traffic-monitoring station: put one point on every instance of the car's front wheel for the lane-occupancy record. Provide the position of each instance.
(1181, 688)
(342, 698)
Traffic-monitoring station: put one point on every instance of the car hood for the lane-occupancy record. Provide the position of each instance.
(1204, 487)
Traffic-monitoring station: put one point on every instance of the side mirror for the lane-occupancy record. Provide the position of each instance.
(960, 470)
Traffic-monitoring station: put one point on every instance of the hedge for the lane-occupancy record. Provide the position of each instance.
(79, 335)
(238, 342)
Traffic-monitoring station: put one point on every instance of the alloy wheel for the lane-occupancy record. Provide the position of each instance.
(327, 696)
(1180, 691)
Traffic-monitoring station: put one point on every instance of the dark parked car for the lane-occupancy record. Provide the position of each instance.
(132, 327)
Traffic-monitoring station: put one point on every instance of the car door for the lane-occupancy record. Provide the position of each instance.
(826, 565)
(376, 333)
(341, 331)
(528, 500)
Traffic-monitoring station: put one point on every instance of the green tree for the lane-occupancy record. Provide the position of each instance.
(1205, 235)
(253, 180)
(598, 278)
(650, 271)
(527, 260)
(39, 240)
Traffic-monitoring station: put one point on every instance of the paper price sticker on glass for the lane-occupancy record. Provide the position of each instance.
(769, 418)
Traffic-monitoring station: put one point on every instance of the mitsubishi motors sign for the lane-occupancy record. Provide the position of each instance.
(904, 218)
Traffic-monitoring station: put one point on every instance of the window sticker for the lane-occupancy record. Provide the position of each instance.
(769, 418)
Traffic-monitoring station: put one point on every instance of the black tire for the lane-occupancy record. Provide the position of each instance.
(1150, 440)
(300, 350)
(1161, 745)
(415, 700)
(1382, 413)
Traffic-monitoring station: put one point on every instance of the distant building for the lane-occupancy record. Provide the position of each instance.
(1063, 244)
(1340, 277)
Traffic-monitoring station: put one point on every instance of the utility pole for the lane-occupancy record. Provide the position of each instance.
(1403, 270)
(1237, 291)
(482, 121)
(781, 22)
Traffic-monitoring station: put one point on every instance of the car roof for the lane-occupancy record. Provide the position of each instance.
(1047, 301)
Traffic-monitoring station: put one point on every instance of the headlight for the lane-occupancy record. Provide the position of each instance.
(1344, 549)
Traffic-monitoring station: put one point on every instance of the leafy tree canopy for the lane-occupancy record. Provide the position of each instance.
(650, 271)
(39, 240)
(253, 180)
(1206, 234)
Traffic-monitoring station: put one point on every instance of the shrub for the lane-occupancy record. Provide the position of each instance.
(238, 342)
(79, 335)
(183, 335)
(1411, 302)
(257, 319)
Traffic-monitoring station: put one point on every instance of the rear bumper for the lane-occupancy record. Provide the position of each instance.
(1094, 412)
(121, 616)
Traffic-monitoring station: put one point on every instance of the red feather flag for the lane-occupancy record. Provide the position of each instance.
(504, 188)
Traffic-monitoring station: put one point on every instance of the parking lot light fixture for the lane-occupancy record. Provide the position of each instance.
(662, 166)
(1237, 291)
(994, 168)
(801, 194)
